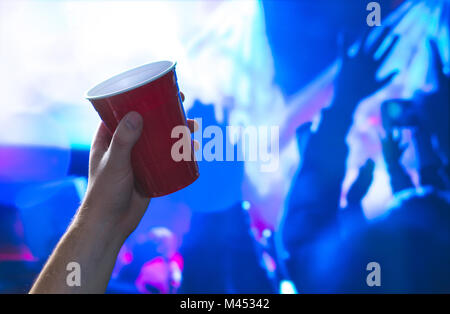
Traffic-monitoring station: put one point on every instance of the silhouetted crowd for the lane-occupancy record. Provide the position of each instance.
(328, 247)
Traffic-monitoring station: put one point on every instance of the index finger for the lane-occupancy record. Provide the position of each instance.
(100, 143)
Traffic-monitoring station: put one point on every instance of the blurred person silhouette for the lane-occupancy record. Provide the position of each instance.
(17, 265)
(361, 185)
(315, 193)
(215, 194)
(411, 241)
(432, 171)
(222, 256)
(427, 112)
(352, 216)
(392, 147)
(410, 244)
(151, 266)
(426, 115)
(220, 253)
(435, 113)
(404, 114)
(432, 136)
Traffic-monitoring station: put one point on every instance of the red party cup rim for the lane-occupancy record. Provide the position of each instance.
(131, 79)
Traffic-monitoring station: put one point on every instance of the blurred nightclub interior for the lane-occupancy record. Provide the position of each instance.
(363, 117)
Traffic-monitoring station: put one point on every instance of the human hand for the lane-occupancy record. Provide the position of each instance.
(357, 77)
(110, 211)
(392, 148)
(112, 200)
(360, 187)
(392, 153)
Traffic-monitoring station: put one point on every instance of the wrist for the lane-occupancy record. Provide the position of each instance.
(347, 97)
(339, 117)
(105, 232)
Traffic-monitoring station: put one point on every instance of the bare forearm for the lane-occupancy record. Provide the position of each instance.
(93, 247)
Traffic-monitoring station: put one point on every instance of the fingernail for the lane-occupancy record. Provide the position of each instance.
(133, 121)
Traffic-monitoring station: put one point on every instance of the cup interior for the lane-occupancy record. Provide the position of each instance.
(130, 79)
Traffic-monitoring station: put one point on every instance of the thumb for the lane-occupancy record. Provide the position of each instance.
(126, 135)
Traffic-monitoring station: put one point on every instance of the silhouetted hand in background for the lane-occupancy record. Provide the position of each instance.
(361, 186)
(431, 169)
(392, 148)
(357, 77)
(392, 152)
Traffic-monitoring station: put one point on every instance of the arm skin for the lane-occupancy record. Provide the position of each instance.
(94, 248)
(110, 212)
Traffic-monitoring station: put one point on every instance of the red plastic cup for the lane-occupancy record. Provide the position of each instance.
(152, 91)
